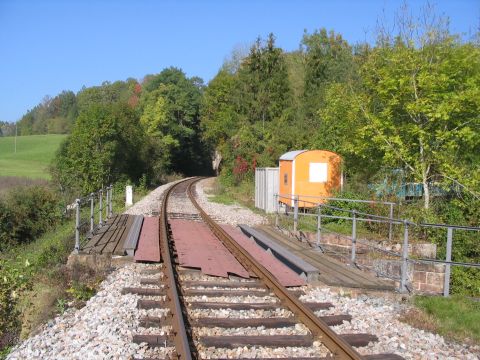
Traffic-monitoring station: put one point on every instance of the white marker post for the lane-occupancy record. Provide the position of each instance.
(129, 196)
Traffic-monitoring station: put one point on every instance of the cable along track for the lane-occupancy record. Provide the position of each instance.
(252, 306)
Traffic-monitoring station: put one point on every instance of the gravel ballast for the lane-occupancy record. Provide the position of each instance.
(104, 328)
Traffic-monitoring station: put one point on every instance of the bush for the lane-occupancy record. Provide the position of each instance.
(12, 283)
(26, 213)
(346, 206)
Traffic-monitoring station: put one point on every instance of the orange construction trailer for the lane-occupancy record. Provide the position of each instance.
(310, 175)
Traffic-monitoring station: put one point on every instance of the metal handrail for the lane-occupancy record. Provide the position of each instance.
(381, 219)
(90, 199)
(342, 199)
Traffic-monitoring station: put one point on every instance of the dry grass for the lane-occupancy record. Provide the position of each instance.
(8, 182)
(420, 320)
(455, 318)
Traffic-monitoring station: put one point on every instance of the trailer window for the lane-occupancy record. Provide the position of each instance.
(285, 179)
(318, 172)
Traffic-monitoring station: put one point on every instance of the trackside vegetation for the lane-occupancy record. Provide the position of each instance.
(404, 109)
(456, 317)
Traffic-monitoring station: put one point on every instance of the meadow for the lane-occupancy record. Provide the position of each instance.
(33, 156)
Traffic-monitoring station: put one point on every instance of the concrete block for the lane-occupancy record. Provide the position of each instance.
(96, 262)
(420, 276)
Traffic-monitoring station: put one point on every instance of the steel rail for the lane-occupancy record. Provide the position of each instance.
(337, 345)
(182, 346)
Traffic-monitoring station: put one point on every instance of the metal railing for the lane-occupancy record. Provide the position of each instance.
(318, 209)
(298, 199)
(103, 212)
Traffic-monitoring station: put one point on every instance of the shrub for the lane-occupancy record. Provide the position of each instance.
(12, 283)
(26, 213)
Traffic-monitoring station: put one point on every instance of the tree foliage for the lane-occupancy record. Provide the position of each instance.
(52, 116)
(105, 145)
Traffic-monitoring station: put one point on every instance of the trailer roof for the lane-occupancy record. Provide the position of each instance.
(291, 154)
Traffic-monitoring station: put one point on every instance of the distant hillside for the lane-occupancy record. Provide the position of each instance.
(33, 156)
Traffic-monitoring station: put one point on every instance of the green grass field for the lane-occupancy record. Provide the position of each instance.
(34, 154)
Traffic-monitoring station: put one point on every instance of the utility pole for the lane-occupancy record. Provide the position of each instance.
(15, 137)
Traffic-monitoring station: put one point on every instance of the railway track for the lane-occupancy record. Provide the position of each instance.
(193, 316)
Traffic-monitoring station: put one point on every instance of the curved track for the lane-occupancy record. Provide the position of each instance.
(178, 290)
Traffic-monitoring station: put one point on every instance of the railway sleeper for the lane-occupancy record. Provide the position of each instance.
(151, 281)
(366, 357)
(161, 291)
(155, 321)
(233, 341)
(251, 306)
(226, 292)
(278, 322)
(153, 340)
(152, 304)
(223, 284)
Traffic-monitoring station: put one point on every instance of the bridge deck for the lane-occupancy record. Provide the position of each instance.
(109, 238)
(331, 272)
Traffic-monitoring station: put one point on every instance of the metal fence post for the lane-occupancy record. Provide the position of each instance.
(77, 226)
(92, 214)
(107, 202)
(100, 208)
(354, 235)
(446, 284)
(319, 226)
(403, 280)
(295, 213)
(110, 206)
(390, 227)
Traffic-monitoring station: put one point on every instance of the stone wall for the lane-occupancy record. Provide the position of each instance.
(422, 277)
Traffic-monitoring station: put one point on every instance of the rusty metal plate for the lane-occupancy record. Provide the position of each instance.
(284, 275)
(197, 247)
(148, 248)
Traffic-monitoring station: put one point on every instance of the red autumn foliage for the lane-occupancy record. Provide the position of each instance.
(133, 101)
(241, 166)
(137, 88)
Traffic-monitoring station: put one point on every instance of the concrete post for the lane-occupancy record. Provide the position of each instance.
(403, 280)
(100, 208)
(354, 236)
(295, 214)
(446, 284)
(390, 227)
(92, 212)
(128, 196)
(77, 226)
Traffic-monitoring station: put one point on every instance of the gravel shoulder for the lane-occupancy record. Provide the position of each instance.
(104, 328)
(228, 214)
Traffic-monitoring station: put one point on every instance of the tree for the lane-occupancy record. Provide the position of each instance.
(264, 82)
(170, 104)
(417, 108)
(106, 144)
(328, 59)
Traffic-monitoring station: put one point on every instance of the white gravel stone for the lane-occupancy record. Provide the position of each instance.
(228, 214)
(150, 204)
(103, 329)
(380, 316)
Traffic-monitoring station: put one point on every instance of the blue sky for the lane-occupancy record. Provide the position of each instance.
(51, 45)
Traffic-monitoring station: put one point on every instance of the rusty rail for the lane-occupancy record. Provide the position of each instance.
(182, 346)
(337, 345)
